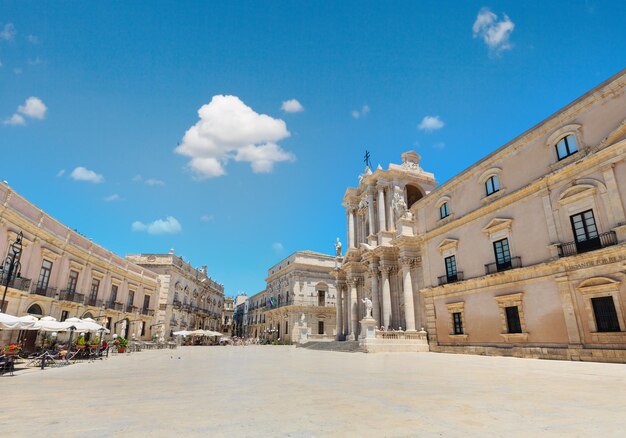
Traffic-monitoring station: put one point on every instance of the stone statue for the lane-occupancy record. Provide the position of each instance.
(338, 248)
(302, 318)
(123, 327)
(368, 307)
(398, 205)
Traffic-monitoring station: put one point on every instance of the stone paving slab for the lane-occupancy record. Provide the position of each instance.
(267, 391)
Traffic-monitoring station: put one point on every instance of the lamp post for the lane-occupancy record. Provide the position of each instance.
(69, 346)
(12, 265)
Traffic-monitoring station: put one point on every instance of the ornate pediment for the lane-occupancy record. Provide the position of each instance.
(497, 224)
(596, 284)
(577, 192)
(447, 244)
(616, 135)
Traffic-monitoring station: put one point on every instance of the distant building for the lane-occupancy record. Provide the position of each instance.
(227, 316)
(255, 318)
(299, 285)
(188, 298)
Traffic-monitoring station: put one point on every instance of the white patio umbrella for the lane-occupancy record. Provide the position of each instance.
(198, 332)
(50, 324)
(10, 322)
(181, 333)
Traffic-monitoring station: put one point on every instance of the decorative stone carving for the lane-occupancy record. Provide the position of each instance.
(368, 307)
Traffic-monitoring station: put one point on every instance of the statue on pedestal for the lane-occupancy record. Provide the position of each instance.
(338, 248)
(368, 307)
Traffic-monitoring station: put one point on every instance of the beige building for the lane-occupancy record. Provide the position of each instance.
(255, 316)
(521, 254)
(227, 316)
(301, 285)
(188, 298)
(64, 275)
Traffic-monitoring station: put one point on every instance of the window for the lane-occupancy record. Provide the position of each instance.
(566, 146)
(320, 327)
(44, 275)
(457, 321)
(113, 297)
(492, 185)
(143, 328)
(146, 301)
(451, 269)
(131, 298)
(73, 281)
(64, 315)
(93, 293)
(585, 231)
(513, 322)
(605, 314)
(321, 298)
(286, 328)
(502, 253)
(444, 212)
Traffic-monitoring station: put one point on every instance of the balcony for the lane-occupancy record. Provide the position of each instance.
(177, 303)
(129, 308)
(49, 292)
(447, 279)
(71, 296)
(114, 306)
(513, 263)
(19, 283)
(149, 312)
(92, 301)
(573, 248)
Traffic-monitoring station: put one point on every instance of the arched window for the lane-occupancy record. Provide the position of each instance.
(35, 309)
(444, 211)
(492, 185)
(566, 146)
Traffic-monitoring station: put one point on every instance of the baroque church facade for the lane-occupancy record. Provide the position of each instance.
(522, 254)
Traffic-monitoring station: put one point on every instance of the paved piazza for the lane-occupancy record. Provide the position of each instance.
(284, 391)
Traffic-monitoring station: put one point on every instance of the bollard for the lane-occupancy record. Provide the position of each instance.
(43, 361)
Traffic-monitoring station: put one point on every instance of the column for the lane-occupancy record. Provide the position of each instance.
(339, 313)
(569, 309)
(375, 300)
(382, 225)
(346, 311)
(407, 288)
(615, 201)
(353, 308)
(386, 319)
(392, 219)
(351, 227)
(370, 207)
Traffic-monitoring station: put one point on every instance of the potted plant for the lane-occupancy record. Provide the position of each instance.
(94, 342)
(12, 349)
(121, 343)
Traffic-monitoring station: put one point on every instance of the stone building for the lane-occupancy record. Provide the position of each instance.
(188, 298)
(521, 254)
(255, 317)
(239, 315)
(301, 284)
(227, 315)
(65, 274)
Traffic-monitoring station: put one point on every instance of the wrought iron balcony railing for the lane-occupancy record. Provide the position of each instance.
(446, 279)
(71, 296)
(492, 268)
(19, 283)
(50, 292)
(573, 248)
(92, 301)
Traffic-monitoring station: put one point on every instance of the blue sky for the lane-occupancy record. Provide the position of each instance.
(117, 85)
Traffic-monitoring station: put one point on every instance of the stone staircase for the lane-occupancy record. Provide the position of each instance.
(341, 346)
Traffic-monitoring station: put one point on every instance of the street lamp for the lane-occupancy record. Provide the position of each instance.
(12, 265)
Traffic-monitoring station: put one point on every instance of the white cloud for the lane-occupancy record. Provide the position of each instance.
(207, 217)
(60, 173)
(441, 145)
(35, 61)
(169, 225)
(278, 247)
(357, 114)
(33, 107)
(148, 181)
(32, 39)
(83, 174)
(292, 106)
(8, 32)
(229, 129)
(430, 123)
(493, 31)
(14, 120)
(17, 71)
(263, 157)
(113, 197)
